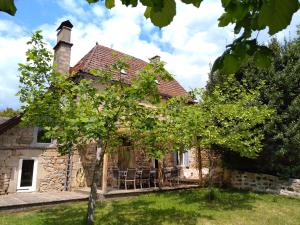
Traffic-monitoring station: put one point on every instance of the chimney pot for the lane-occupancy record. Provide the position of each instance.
(155, 59)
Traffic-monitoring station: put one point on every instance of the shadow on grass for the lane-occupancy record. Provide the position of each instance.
(66, 214)
(180, 207)
(142, 212)
(223, 199)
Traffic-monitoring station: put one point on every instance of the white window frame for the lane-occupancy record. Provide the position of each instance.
(35, 143)
(34, 175)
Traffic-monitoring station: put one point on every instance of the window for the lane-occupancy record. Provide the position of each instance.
(41, 137)
(182, 159)
(27, 174)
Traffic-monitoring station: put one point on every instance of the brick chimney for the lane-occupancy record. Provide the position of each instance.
(62, 49)
(155, 59)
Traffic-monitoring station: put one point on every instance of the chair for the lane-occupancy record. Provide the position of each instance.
(167, 175)
(130, 177)
(138, 177)
(154, 177)
(122, 175)
(145, 178)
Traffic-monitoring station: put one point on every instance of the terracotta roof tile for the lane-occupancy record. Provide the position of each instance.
(101, 57)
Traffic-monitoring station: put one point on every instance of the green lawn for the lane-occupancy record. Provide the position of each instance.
(180, 207)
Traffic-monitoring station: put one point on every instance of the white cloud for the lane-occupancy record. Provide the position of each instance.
(73, 6)
(98, 11)
(12, 48)
(188, 45)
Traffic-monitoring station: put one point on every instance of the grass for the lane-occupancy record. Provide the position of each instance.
(181, 207)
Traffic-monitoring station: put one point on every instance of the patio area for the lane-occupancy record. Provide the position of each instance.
(141, 178)
(117, 193)
(24, 201)
(21, 201)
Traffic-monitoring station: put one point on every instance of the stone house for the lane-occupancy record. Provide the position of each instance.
(30, 162)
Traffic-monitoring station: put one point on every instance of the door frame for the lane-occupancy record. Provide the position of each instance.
(34, 175)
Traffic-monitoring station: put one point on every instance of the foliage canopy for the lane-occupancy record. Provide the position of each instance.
(281, 152)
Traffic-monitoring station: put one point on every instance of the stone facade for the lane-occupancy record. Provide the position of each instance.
(83, 161)
(53, 166)
(50, 166)
(263, 183)
(20, 143)
(17, 137)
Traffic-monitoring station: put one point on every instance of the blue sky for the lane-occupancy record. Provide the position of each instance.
(188, 46)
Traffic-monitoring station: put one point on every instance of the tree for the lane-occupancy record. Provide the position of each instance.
(230, 117)
(8, 112)
(247, 16)
(75, 111)
(281, 145)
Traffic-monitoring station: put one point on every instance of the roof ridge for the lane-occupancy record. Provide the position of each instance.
(90, 55)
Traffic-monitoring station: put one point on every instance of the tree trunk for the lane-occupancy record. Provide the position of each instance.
(104, 173)
(210, 173)
(160, 174)
(200, 165)
(93, 193)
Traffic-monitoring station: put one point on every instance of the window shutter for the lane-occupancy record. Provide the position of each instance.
(186, 159)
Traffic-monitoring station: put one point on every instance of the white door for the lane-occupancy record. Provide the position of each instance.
(27, 175)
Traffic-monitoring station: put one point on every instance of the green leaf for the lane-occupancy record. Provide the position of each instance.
(218, 64)
(92, 1)
(225, 19)
(146, 2)
(230, 64)
(165, 16)
(109, 4)
(277, 14)
(134, 3)
(8, 6)
(263, 57)
(147, 12)
(225, 3)
(196, 3)
(238, 11)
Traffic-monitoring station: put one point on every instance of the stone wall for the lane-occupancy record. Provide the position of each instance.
(263, 183)
(52, 177)
(83, 162)
(5, 171)
(18, 143)
(51, 169)
(16, 137)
